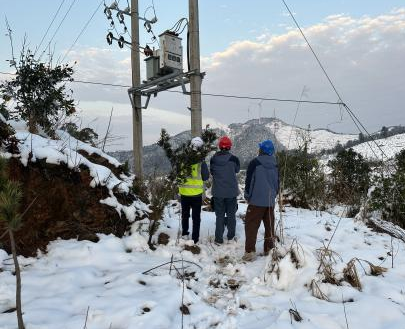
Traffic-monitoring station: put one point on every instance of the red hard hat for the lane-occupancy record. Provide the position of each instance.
(225, 143)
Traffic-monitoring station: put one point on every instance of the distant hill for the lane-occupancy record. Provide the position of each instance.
(245, 137)
(390, 146)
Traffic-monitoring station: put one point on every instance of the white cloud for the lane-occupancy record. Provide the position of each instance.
(363, 56)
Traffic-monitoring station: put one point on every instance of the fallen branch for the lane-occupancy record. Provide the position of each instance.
(344, 311)
(171, 262)
(86, 319)
(382, 226)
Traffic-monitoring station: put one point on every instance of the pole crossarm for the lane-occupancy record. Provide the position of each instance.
(169, 81)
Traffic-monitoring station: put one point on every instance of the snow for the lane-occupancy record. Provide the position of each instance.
(65, 150)
(106, 279)
(291, 137)
(390, 146)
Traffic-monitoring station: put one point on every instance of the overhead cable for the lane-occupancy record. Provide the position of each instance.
(83, 30)
(49, 26)
(350, 112)
(56, 31)
(210, 94)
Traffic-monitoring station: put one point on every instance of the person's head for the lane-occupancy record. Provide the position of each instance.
(266, 147)
(196, 143)
(225, 143)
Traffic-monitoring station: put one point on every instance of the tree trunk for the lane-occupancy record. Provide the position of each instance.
(18, 282)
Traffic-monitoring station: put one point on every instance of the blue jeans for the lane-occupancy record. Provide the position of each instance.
(224, 206)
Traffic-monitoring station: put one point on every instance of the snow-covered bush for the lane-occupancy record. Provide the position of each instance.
(388, 196)
(86, 135)
(302, 178)
(350, 179)
(183, 157)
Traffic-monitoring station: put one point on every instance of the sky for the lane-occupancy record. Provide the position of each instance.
(247, 48)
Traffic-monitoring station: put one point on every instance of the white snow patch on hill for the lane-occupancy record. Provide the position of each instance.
(390, 146)
(291, 137)
(223, 292)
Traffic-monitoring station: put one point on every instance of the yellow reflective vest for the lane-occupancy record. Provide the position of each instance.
(193, 185)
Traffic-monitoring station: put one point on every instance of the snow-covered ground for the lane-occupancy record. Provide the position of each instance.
(291, 137)
(103, 281)
(390, 146)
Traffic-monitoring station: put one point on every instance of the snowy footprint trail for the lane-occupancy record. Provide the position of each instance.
(104, 282)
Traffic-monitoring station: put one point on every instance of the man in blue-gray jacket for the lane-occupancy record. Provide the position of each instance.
(224, 166)
(261, 188)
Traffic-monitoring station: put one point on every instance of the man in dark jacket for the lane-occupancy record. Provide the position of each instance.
(191, 194)
(261, 188)
(224, 166)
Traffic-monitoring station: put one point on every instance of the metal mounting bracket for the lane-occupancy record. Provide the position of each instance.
(169, 81)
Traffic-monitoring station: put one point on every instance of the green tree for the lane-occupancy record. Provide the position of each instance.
(39, 92)
(349, 177)
(388, 195)
(86, 135)
(3, 110)
(183, 157)
(10, 201)
(384, 132)
(302, 177)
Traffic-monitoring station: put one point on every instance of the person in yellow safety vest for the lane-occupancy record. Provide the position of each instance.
(191, 194)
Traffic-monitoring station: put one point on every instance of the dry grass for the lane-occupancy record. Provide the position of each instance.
(297, 253)
(350, 274)
(317, 292)
(375, 270)
(327, 258)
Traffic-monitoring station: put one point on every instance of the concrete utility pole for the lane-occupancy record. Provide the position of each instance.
(136, 111)
(196, 80)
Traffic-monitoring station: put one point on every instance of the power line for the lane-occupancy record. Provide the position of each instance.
(56, 31)
(220, 95)
(49, 26)
(83, 30)
(100, 83)
(298, 101)
(354, 118)
(263, 98)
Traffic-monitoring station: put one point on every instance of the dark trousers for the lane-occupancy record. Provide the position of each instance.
(194, 202)
(254, 216)
(225, 206)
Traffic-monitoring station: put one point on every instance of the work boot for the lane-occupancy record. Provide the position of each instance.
(185, 237)
(249, 256)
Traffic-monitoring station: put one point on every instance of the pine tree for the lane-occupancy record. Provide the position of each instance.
(10, 201)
